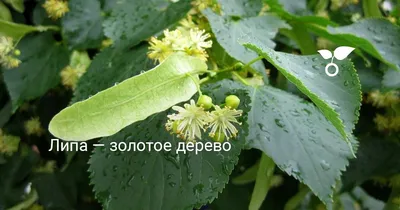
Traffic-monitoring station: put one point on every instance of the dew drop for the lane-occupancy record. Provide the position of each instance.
(325, 165)
(279, 123)
(377, 39)
(190, 176)
(295, 113)
(198, 189)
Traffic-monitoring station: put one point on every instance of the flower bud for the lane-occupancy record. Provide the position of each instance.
(232, 101)
(205, 102)
(17, 52)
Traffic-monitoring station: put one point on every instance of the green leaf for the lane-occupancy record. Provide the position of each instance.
(14, 177)
(376, 157)
(371, 8)
(67, 188)
(82, 25)
(263, 182)
(393, 201)
(161, 180)
(18, 5)
(110, 67)
(133, 21)
(295, 134)
(288, 7)
(370, 78)
(298, 138)
(17, 31)
(391, 79)
(339, 97)
(132, 100)
(229, 32)
(42, 59)
(5, 13)
(248, 176)
(241, 8)
(378, 37)
(5, 113)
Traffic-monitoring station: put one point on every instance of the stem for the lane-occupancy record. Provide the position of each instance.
(297, 199)
(371, 8)
(231, 68)
(394, 200)
(281, 81)
(197, 84)
(33, 196)
(241, 79)
(252, 61)
(204, 80)
(263, 182)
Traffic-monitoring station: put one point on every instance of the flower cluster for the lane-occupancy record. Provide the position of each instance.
(192, 119)
(8, 144)
(387, 123)
(390, 121)
(200, 5)
(8, 53)
(70, 75)
(379, 99)
(192, 42)
(56, 8)
(33, 127)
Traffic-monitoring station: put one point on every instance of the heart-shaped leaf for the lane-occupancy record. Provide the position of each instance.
(326, 54)
(342, 52)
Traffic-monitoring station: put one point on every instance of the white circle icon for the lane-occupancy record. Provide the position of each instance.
(334, 73)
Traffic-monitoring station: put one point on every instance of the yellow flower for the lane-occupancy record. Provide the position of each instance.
(387, 123)
(202, 4)
(189, 121)
(222, 120)
(8, 144)
(56, 8)
(33, 127)
(6, 45)
(106, 43)
(159, 50)
(187, 24)
(202, 54)
(9, 62)
(193, 42)
(379, 99)
(7, 53)
(69, 77)
(198, 39)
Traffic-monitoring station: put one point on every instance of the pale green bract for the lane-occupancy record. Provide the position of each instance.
(134, 99)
